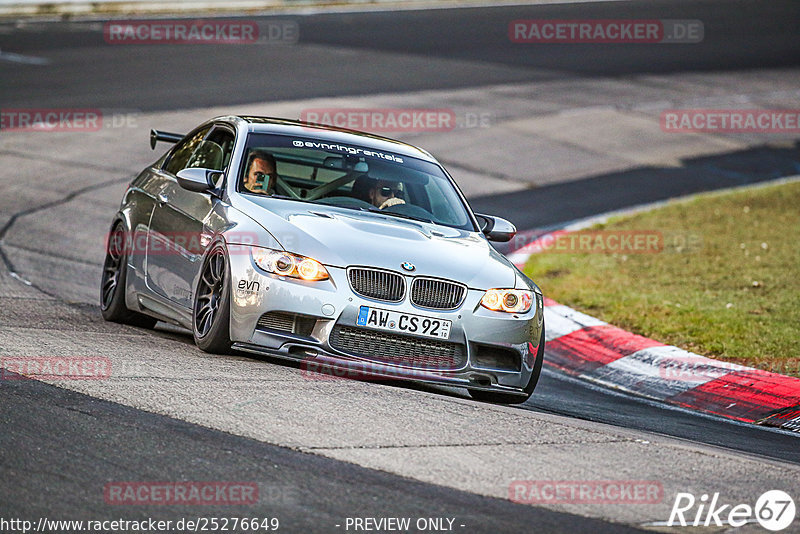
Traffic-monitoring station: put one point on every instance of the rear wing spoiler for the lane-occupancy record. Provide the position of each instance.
(158, 135)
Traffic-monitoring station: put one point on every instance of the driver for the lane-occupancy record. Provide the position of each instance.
(262, 165)
(384, 194)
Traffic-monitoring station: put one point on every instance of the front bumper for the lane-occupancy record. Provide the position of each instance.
(329, 304)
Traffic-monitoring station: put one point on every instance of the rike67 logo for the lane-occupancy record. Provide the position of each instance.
(774, 510)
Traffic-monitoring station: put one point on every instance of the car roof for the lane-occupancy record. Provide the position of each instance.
(274, 125)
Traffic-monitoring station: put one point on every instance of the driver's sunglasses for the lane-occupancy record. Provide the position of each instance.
(388, 191)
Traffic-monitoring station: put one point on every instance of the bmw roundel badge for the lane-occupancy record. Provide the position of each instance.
(408, 266)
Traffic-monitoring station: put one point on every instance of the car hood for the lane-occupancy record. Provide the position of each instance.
(343, 237)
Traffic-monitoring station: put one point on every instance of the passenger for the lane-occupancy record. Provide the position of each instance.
(361, 187)
(385, 194)
(261, 166)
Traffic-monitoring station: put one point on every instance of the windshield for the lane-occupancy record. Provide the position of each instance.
(348, 176)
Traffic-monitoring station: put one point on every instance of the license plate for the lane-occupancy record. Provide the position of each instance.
(403, 323)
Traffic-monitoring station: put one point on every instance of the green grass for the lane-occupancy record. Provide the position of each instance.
(726, 285)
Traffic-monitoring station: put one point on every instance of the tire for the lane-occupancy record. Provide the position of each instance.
(112, 283)
(211, 313)
(507, 398)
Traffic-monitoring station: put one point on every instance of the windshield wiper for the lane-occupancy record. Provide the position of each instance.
(395, 214)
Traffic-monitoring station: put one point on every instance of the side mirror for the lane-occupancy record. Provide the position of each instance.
(496, 228)
(197, 179)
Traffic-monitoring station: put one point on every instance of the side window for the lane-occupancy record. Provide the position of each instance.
(215, 152)
(207, 155)
(182, 153)
(223, 139)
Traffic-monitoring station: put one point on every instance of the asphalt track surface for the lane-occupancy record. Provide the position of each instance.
(78, 438)
(82, 442)
(409, 53)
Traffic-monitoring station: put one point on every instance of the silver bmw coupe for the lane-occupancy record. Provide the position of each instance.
(337, 248)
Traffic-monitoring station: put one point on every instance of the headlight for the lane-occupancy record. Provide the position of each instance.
(288, 264)
(508, 300)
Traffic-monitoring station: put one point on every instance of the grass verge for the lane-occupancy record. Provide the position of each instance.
(724, 282)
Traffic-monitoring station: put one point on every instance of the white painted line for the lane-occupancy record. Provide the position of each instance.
(25, 60)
